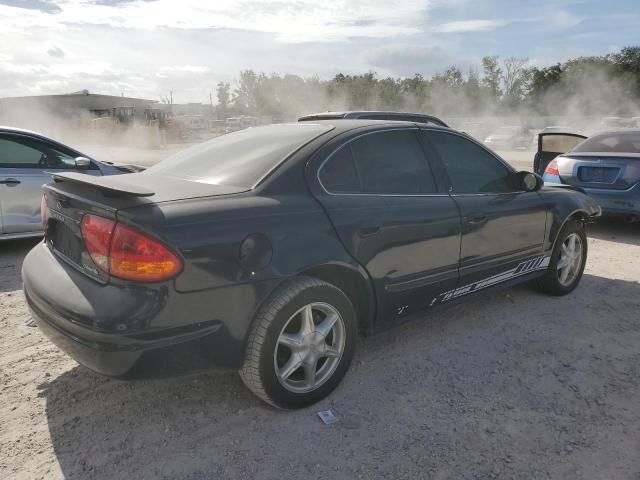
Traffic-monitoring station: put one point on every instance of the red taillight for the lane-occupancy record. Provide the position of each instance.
(134, 256)
(552, 168)
(126, 253)
(43, 211)
(96, 232)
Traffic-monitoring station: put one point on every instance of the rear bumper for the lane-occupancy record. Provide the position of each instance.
(617, 202)
(612, 202)
(138, 330)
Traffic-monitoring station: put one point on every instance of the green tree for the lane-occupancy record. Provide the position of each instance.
(223, 94)
(492, 76)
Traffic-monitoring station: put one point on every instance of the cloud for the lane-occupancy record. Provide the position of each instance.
(290, 20)
(56, 52)
(469, 26)
(41, 5)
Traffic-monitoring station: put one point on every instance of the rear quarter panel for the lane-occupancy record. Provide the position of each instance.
(240, 239)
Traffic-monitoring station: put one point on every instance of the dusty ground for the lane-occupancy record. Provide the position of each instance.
(514, 384)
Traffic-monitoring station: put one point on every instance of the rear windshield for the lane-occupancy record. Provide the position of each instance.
(618, 142)
(242, 158)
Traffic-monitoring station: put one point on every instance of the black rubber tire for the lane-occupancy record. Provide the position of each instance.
(258, 372)
(549, 283)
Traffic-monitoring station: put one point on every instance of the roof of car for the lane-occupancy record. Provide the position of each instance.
(19, 130)
(347, 124)
(362, 113)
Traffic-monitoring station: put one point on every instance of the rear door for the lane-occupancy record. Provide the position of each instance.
(23, 163)
(503, 227)
(550, 145)
(393, 216)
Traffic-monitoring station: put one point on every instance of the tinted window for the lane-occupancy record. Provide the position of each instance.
(384, 163)
(339, 175)
(19, 152)
(240, 158)
(471, 168)
(620, 142)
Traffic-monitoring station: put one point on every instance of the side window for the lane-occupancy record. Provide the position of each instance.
(14, 154)
(27, 153)
(471, 168)
(392, 162)
(338, 174)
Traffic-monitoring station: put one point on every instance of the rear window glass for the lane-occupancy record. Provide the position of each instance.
(560, 143)
(619, 142)
(239, 159)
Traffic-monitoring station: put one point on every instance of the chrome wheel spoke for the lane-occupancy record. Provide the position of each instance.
(331, 352)
(293, 364)
(564, 273)
(562, 263)
(307, 326)
(310, 373)
(290, 340)
(327, 324)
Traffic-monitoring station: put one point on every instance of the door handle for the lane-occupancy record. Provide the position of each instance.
(10, 182)
(476, 219)
(369, 230)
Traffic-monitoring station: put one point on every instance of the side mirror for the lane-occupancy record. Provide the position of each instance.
(82, 163)
(529, 182)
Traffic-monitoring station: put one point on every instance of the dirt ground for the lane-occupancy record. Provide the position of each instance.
(513, 384)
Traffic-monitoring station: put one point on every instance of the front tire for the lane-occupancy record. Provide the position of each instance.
(567, 262)
(301, 343)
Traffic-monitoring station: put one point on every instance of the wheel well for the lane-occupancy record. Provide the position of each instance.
(578, 215)
(354, 286)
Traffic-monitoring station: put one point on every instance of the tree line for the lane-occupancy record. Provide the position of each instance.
(594, 85)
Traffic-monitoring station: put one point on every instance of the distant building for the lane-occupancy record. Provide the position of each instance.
(72, 106)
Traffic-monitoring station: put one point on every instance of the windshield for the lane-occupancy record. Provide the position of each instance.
(242, 158)
(618, 142)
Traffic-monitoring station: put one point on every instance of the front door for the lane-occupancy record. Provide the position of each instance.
(393, 217)
(23, 163)
(503, 227)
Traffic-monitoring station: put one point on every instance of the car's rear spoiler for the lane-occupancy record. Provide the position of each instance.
(112, 183)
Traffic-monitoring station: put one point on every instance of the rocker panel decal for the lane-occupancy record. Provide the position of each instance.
(528, 266)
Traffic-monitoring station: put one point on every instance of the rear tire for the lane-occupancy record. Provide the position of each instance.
(567, 262)
(301, 343)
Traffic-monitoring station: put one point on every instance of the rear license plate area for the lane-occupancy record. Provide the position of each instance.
(597, 174)
(63, 238)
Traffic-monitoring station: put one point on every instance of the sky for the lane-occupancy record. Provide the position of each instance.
(148, 48)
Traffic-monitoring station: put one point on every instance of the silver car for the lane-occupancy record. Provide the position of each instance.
(606, 166)
(25, 159)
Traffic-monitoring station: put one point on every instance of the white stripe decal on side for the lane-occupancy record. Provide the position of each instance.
(528, 266)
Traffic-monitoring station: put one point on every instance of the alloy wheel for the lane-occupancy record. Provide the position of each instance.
(570, 259)
(309, 347)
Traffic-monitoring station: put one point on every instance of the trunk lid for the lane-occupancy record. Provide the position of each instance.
(613, 171)
(71, 196)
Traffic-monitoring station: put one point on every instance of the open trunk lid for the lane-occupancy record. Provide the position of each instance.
(613, 171)
(71, 196)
